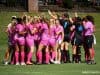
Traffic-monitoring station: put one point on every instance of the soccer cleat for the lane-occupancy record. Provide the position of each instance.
(68, 61)
(17, 63)
(12, 63)
(79, 62)
(93, 62)
(52, 61)
(23, 63)
(6, 63)
(47, 63)
(57, 62)
(29, 63)
(38, 63)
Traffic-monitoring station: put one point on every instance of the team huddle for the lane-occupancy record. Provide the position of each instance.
(49, 39)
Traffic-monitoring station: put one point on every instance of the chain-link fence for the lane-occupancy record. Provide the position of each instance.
(15, 5)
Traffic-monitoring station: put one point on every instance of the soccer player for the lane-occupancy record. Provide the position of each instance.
(30, 40)
(59, 40)
(53, 16)
(77, 40)
(20, 42)
(11, 43)
(65, 22)
(89, 31)
(52, 40)
(43, 42)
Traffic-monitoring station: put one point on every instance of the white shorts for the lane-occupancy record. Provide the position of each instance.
(59, 41)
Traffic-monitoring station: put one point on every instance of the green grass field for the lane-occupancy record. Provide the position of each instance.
(63, 69)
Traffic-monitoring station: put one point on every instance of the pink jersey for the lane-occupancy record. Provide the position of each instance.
(30, 35)
(11, 30)
(52, 36)
(36, 35)
(39, 26)
(59, 29)
(20, 28)
(44, 34)
(52, 32)
(88, 28)
(30, 27)
(44, 31)
(11, 34)
(20, 38)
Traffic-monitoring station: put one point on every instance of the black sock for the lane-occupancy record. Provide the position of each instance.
(62, 55)
(79, 57)
(67, 54)
(78, 54)
(74, 57)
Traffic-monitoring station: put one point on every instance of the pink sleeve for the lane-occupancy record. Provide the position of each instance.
(62, 29)
(92, 27)
(89, 25)
(30, 27)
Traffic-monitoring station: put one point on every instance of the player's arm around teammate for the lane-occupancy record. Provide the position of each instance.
(20, 42)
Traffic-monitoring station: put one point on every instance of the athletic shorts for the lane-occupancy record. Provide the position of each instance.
(11, 42)
(78, 40)
(29, 41)
(52, 42)
(44, 39)
(44, 42)
(21, 41)
(59, 41)
(89, 41)
(66, 38)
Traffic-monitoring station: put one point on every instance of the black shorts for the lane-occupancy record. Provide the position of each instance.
(67, 38)
(77, 40)
(88, 40)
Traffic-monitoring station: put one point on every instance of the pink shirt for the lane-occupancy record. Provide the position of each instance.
(52, 31)
(59, 28)
(44, 31)
(9, 28)
(20, 28)
(30, 28)
(11, 32)
(88, 28)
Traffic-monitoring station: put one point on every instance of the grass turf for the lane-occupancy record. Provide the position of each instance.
(63, 69)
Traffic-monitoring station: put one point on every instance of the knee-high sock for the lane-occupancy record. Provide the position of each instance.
(74, 57)
(78, 54)
(12, 58)
(47, 57)
(67, 55)
(16, 56)
(93, 53)
(39, 56)
(62, 55)
(22, 56)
